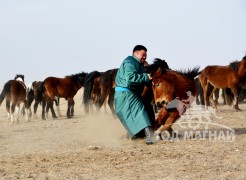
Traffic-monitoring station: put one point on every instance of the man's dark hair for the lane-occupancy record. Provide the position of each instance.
(139, 48)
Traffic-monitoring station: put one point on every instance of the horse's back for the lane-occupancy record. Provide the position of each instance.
(60, 87)
(218, 76)
(215, 70)
(52, 81)
(15, 90)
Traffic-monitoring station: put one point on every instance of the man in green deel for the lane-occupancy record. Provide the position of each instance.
(130, 80)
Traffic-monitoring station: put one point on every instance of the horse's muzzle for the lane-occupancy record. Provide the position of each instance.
(161, 104)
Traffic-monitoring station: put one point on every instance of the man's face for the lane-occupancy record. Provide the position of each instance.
(141, 55)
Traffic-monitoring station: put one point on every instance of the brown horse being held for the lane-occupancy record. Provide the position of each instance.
(232, 76)
(173, 93)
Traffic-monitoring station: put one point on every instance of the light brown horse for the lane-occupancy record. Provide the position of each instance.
(66, 87)
(232, 76)
(173, 93)
(14, 91)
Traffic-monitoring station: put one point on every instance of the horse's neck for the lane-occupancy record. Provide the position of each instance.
(242, 71)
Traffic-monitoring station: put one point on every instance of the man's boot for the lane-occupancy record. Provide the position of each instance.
(149, 135)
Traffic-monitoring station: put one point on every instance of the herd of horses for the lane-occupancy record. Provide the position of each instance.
(166, 86)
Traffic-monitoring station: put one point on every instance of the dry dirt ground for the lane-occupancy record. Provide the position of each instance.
(96, 147)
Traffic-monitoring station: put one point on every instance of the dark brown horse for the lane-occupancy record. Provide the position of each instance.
(91, 90)
(232, 76)
(107, 86)
(34, 94)
(173, 93)
(14, 91)
(98, 87)
(66, 87)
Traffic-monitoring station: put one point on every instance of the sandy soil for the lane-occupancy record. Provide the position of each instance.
(96, 147)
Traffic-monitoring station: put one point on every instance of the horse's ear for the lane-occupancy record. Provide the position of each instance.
(158, 72)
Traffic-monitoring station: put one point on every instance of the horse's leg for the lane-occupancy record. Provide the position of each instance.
(35, 107)
(162, 116)
(212, 101)
(44, 103)
(17, 112)
(235, 91)
(204, 84)
(102, 98)
(50, 105)
(197, 98)
(57, 102)
(8, 107)
(173, 116)
(105, 106)
(23, 111)
(111, 103)
(223, 96)
(47, 109)
(12, 110)
(70, 110)
(216, 95)
(27, 110)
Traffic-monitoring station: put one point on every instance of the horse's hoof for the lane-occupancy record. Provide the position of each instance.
(237, 109)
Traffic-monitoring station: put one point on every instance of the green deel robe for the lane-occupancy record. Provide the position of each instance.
(129, 108)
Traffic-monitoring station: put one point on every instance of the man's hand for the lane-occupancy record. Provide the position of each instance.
(150, 77)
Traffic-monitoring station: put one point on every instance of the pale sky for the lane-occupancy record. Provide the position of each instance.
(45, 38)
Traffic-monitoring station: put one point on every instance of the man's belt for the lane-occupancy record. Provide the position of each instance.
(117, 88)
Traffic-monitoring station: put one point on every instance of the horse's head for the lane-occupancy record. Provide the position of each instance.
(163, 87)
(19, 77)
(239, 67)
(157, 63)
(242, 68)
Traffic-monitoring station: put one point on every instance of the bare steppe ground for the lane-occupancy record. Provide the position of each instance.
(95, 147)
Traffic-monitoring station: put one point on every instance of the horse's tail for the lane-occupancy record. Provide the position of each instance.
(194, 72)
(5, 91)
(30, 93)
(228, 96)
(40, 92)
(88, 86)
(199, 94)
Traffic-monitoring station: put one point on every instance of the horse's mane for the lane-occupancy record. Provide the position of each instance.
(78, 78)
(244, 58)
(190, 73)
(157, 63)
(234, 65)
